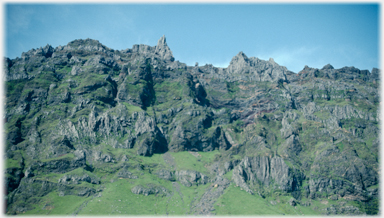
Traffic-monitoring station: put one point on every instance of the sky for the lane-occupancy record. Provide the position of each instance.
(294, 35)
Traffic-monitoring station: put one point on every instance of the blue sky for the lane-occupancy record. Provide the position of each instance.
(294, 35)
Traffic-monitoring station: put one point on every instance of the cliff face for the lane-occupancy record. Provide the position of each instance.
(80, 116)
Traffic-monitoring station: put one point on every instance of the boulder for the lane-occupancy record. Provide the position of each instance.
(166, 174)
(150, 189)
(191, 177)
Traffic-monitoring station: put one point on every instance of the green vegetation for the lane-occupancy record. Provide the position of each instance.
(14, 87)
(89, 81)
(12, 163)
(168, 90)
(64, 69)
(237, 202)
(67, 156)
(186, 161)
(333, 102)
(117, 198)
(132, 108)
(53, 204)
(323, 115)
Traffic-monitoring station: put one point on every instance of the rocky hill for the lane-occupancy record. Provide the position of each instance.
(91, 130)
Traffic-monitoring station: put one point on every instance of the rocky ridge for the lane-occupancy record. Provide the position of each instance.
(83, 117)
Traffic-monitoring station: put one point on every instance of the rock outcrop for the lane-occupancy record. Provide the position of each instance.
(190, 177)
(267, 171)
(149, 189)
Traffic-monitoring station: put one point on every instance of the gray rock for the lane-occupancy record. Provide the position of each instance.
(190, 177)
(165, 174)
(205, 205)
(76, 70)
(347, 210)
(52, 86)
(124, 173)
(60, 165)
(153, 142)
(291, 146)
(150, 189)
(163, 50)
(292, 202)
(76, 179)
(375, 74)
(265, 170)
(328, 67)
(75, 190)
(243, 68)
(124, 158)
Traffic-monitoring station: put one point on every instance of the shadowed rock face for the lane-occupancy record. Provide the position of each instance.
(84, 115)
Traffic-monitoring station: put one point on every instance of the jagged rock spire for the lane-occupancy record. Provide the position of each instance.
(162, 41)
(163, 50)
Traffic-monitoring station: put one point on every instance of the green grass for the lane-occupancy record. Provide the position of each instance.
(323, 115)
(374, 186)
(117, 199)
(52, 177)
(154, 159)
(41, 81)
(132, 108)
(11, 163)
(69, 156)
(149, 111)
(64, 69)
(365, 106)
(167, 91)
(83, 112)
(174, 87)
(233, 87)
(60, 205)
(79, 172)
(228, 175)
(333, 102)
(238, 202)
(186, 161)
(218, 94)
(208, 157)
(193, 193)
(90, 80)
(14, 87)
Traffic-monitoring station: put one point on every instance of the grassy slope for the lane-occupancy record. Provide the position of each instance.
(117, 198)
